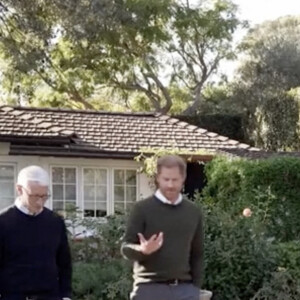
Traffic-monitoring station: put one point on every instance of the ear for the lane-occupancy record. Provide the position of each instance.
(19, 190)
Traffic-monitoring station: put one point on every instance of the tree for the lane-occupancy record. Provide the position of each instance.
(266, 82)
(72, 46)
(75, 49)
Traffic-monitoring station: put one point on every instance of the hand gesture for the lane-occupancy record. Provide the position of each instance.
(153, 244)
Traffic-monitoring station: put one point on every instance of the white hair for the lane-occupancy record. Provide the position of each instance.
(33, 174)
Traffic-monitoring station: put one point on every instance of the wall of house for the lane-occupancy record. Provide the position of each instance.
(4, 148)
(143, 187)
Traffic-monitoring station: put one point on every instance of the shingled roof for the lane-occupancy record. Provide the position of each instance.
(61, 132)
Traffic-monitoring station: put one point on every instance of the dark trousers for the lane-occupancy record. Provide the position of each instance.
(161, 291)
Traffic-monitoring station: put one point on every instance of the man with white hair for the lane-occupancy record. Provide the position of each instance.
(35, 260)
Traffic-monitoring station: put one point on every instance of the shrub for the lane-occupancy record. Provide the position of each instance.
(106, 280)
(270, 187)
(244, 255)
(103, 242)
(99, 272)
(289, 257)
(238, 257)
(282, 286)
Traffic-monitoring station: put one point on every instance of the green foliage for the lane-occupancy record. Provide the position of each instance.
(105, 280)
(218, 100)
(281, 286)
(271, 51)
(105, 241)
(271, 188)
(265, 81)
(100, 273)
(254, 257)
(289, 257)
(76, 49)
(202, 38)
(238, 257)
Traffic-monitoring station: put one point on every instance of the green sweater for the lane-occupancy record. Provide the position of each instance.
(181, 255)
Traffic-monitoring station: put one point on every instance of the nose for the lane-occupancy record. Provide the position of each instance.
(170, 184)
(40, 201)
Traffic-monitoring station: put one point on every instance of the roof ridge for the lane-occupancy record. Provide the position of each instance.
(81, 111)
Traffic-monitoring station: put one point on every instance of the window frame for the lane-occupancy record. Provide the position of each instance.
(113, 184)
(76, 183)
(79, 173)
(107, 190)
(14, 165)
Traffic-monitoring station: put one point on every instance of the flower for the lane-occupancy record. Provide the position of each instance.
(247, 212)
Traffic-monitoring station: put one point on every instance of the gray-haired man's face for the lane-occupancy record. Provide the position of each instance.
(33, 196)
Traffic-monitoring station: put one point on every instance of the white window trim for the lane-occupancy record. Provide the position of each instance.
(79, 169)
(14, 165)
(51, 182)
(108, 208)
(113, 183)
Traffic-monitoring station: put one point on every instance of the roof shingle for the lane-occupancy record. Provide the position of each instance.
(108, 132)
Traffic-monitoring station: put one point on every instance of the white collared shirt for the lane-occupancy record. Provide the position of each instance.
(158, 194)
(20, 206)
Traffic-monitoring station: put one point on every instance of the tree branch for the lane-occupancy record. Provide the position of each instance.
(164, 91)
(183, 55)
(75, 96)
(153, 97)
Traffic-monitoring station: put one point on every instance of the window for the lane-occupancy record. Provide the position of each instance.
(125, 189)
(94, 192)
(7, 185)
(97, 191)
(63, 188)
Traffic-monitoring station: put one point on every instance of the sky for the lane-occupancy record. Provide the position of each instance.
(256, 12)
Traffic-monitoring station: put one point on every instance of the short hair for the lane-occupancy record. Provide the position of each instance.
(171, 161)
(34, 174)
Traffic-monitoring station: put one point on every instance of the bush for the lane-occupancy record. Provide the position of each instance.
(271, 188)
(238, 257)
(289, 257)
(99, 271)
(103, 244)
(244, 255)
(282, 286)
(108, 280)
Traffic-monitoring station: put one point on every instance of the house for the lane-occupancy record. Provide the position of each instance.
(90, 154)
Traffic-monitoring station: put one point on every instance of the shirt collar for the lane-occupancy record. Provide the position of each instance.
(158, 194)
(20, 206)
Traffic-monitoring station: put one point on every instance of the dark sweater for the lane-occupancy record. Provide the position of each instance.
(181, 254)
(34, 254)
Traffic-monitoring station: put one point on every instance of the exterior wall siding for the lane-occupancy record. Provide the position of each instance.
(143, 185)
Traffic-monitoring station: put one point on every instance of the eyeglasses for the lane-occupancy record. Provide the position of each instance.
(36, 197)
